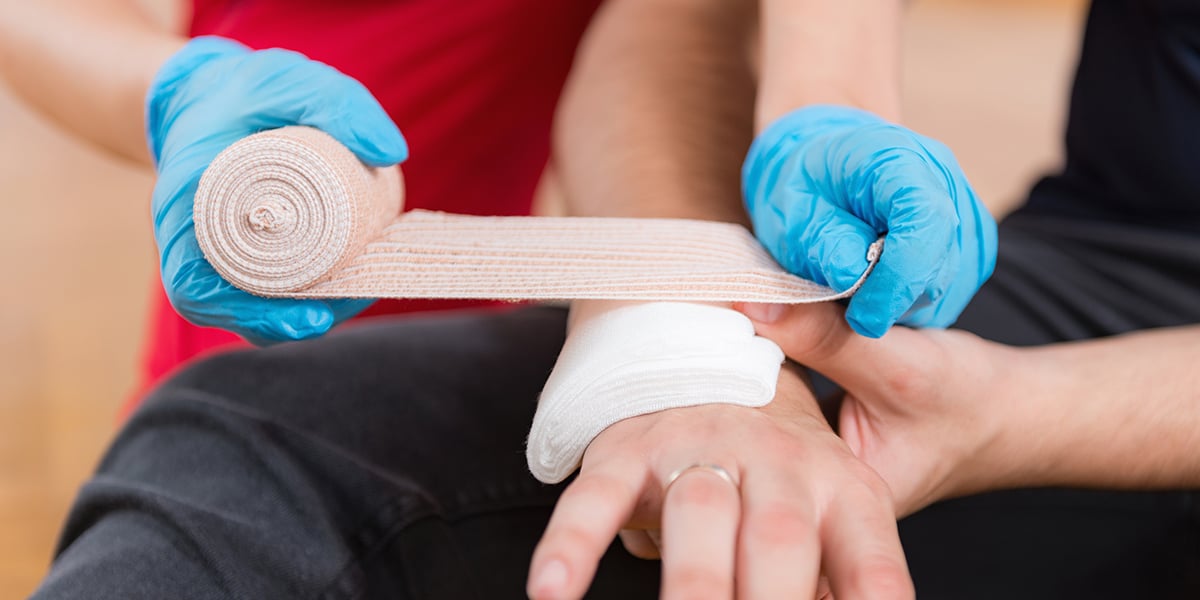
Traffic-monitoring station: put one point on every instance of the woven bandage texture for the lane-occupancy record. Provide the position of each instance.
(292, 213)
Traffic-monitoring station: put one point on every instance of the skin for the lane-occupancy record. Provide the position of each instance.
(855, 45)
(940, 414)
(55, 52)
(655, 122)
(788, 519)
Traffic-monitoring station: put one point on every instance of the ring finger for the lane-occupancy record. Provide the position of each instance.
(700, 519)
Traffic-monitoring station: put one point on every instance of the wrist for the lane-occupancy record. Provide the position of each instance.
(794, 400)
(1024, 438)
(624, 360)
(829, 94)
(175, 69)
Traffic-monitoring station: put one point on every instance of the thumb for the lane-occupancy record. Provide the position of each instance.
(818, 336)
(810, 334)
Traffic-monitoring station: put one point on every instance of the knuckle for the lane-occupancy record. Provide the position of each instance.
(880, 491)
(872, 486)
(779, 443)
(779, 524)
(600, 486)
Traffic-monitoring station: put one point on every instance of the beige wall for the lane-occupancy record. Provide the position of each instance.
(76, 256)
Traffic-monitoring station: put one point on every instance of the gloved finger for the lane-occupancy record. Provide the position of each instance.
(340, 106)
(179, 174)
(901, 277)
(345, 309)
(944, 299)
(204, 298)
(828, 244)
(975, 254)
(189, 280)
(360, 123)
(923, 227)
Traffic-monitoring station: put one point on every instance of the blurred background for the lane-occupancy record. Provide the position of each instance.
(77, 259)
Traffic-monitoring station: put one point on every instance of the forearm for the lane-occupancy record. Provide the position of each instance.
(657, 115)
(86, 64)
(655, 122)
(1121, 412)
(823, 52)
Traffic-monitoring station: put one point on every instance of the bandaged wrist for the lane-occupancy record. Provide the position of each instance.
(645, 358)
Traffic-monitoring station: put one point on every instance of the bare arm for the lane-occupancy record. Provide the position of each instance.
(1118, 412)
(655, 123)
(657, 115)
(86, 64)
(822, 52)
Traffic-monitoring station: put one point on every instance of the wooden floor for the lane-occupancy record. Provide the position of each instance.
(76, 255)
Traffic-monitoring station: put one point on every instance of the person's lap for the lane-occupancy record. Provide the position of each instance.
(387, 460)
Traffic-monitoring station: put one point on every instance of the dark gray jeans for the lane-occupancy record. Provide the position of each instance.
(386, 461)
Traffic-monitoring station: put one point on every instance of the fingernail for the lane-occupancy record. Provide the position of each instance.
(763, 313)
(549, 581)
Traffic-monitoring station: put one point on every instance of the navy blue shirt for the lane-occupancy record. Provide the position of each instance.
(1133, 133)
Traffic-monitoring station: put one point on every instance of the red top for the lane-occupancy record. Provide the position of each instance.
(471, 83)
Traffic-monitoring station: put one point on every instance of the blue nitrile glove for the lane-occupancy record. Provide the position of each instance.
(210, 94)
(823, 182)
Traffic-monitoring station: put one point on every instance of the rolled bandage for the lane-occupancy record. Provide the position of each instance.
(640, 359)
(292, 213)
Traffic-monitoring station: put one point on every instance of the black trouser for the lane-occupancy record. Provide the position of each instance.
(386, 461)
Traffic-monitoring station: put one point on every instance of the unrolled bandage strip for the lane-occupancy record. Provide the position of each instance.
(292, 213)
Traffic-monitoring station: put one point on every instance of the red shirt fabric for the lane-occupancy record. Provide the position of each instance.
(472, 84)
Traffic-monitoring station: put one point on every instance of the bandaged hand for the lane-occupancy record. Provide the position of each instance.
(210, 94)
(751, 502)
(824, 182)
(687, 425)
(625, 359)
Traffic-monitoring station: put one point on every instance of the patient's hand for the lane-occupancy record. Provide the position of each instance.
(796, 503)
(919, 403)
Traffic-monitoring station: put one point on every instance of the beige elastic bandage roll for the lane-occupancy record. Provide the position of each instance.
(292, 213)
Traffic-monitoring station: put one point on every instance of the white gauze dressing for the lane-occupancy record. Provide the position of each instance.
(644, 358)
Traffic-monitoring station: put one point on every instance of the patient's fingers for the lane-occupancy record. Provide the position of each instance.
(823, 590)
(700, 523)
(779, 548)
(641, 543)
(863, 557)
(585, 521)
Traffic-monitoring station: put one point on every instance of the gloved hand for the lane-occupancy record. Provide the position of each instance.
(210, 94)
(823, 182)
